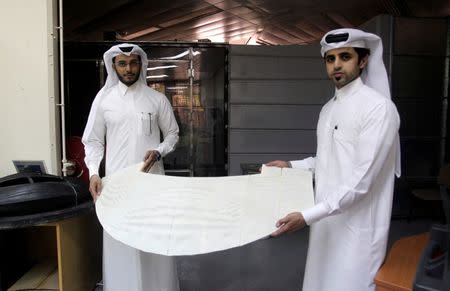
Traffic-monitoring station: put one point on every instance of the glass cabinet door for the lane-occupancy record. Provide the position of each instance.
(182, 75)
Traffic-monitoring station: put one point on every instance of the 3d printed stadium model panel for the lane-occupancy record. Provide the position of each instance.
(186, 216)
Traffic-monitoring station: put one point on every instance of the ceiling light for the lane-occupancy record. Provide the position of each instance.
(177, 88)
(161, 67)
(180, 55)
(157, 76)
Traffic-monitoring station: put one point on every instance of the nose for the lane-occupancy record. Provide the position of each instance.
(128, 67)
(337, 64)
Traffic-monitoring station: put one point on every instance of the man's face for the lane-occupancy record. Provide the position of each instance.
(342, 65)
(127, 68)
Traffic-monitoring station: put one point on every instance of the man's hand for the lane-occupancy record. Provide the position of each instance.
(95, 186)
(279, 164)
(150, 158)
(291, 222)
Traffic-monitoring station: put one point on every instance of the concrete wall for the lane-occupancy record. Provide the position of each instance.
(27, 103)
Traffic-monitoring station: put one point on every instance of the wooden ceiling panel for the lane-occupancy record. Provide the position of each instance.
(267, 21)
(227, 4)
(254, 17)
(210, 10)
(181, 31)
(300, 35)
(339, 19)
(309, 27)
(323, 23)
(132, 36)
(163, 18)
(270, 39)
(221, 34)
(192, 24)
(223, 37)
(213, 2)
(238, 25)
(275, 7)
(283, 34)
(240, 11)
(221, 16)
(242, 35)
(131, 14)
(75, 16)
(219, 25)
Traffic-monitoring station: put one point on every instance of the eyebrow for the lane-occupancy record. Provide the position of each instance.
(123, 61)
(339, 54)
(131, 60)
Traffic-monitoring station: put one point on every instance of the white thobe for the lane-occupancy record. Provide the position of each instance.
(131, 119)
(354, 180)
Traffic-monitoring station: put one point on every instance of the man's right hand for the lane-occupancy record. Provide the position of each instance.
(279, 164)
(95, 186)
(291, 222)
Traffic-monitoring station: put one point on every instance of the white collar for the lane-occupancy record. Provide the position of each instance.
(349, 89)
(124, 89)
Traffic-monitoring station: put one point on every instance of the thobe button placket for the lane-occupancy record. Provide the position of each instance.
(334, 129)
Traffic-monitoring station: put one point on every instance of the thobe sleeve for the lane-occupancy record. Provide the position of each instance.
(308, 164)
(169, 127)
(378, 133)
(94, 138)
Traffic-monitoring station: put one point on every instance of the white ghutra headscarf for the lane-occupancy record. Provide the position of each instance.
(374, 74)
(123, 49)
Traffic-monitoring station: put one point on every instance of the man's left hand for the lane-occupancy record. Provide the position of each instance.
(291, 222)
(150, 158)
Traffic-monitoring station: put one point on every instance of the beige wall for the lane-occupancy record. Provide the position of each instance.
(27, 75)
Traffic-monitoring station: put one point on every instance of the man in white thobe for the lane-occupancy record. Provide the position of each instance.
(357, 157)
(126, 119)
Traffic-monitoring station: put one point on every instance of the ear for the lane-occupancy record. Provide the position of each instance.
(363, 62)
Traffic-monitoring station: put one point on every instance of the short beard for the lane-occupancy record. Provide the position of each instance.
(128, 83)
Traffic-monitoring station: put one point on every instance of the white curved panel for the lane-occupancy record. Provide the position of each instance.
(186, 216)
